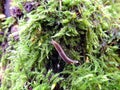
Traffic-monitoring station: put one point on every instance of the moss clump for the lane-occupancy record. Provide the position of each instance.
(88, 31)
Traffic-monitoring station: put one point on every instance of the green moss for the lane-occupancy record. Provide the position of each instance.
(86, 31)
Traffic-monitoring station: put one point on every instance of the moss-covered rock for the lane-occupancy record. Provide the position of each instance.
(87, 30)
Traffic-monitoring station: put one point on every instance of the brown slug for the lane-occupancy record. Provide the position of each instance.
(62, 53)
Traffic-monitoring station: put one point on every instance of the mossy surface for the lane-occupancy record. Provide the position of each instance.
(87, 30)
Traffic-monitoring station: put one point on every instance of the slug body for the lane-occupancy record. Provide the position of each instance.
(62, 53)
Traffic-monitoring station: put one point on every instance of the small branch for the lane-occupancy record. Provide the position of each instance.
(60, 3)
